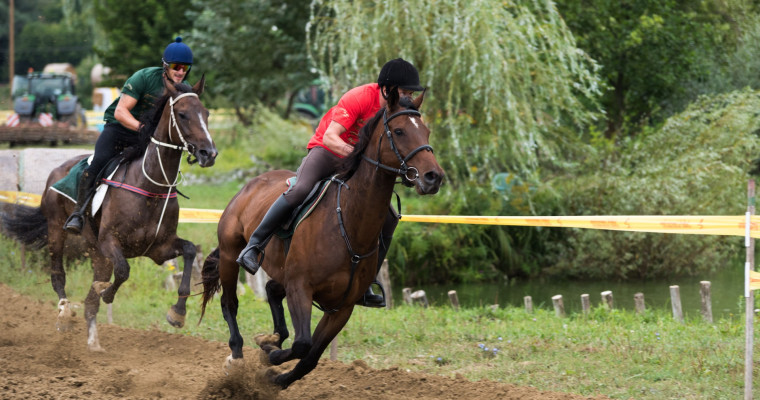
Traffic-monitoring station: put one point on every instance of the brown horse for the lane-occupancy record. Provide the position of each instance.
(331, 258)
(128, 224)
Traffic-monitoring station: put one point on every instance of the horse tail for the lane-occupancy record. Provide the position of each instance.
(210, 278)
(25, 224)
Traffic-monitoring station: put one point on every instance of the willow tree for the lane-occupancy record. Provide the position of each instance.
(503, 77)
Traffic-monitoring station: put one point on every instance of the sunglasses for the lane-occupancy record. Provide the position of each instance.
(179, 67)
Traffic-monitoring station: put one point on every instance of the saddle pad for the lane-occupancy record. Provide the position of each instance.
(69, 184)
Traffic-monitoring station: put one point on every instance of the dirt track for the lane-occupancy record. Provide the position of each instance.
(36, 362)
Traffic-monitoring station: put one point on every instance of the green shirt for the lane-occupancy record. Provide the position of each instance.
(145, 85)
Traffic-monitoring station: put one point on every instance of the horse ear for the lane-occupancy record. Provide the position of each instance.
(418, 100)
(169, 85)
(198, 88)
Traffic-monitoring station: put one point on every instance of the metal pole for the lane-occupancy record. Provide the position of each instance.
(749, 297)
(11, 60)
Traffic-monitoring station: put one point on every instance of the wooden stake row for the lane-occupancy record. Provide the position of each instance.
(419, 297)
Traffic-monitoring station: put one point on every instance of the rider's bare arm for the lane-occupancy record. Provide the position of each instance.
(333, 141)
(122, 114)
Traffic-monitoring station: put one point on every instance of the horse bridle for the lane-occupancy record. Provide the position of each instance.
(404, 170)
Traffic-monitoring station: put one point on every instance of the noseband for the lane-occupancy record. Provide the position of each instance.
(409, 174)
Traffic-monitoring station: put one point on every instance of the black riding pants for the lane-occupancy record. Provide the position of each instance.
(319, 164)
(114, 138)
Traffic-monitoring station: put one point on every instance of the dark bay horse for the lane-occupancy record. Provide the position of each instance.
(128, 224)
(332, 256)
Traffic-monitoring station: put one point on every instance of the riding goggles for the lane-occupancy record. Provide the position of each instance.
(179, 66)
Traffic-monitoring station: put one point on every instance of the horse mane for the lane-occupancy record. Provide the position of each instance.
(350, 163)
(149, 122)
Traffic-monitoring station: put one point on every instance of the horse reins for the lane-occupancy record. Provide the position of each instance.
(183, 148)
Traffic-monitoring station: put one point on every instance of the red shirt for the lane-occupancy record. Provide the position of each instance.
(353, 110)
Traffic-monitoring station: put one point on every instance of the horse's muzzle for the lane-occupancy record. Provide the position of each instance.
(206, 157)
(430, 182)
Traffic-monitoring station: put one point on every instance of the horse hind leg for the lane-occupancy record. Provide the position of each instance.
(101, 275)
(56, 241)
(275, 296)
(299, 304)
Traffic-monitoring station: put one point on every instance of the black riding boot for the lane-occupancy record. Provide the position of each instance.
(370, 299)
(75, 222)
(277, 214)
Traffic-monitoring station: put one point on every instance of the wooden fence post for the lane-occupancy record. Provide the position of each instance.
(454, 299)
(528, 304)
(585, 303)
(407, 292)
(385, 279)
(420, 296)
(704, 291)
(559, 307)
(675, 300)
(638, 300)
(334, 349)
(607, 298)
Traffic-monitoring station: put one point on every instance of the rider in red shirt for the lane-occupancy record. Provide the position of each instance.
(334, 139)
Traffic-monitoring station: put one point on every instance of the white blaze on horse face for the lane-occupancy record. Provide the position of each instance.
(205, 129)
(414, 121)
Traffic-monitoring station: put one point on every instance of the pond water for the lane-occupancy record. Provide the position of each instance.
(727, 293)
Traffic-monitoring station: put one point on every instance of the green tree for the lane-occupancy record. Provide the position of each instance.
(651, 53)
(503, 76)
(137, 32)
(255, 49)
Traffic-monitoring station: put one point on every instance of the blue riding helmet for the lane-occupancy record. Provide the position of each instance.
(178, 52)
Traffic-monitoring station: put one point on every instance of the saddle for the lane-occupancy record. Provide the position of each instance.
(304, 210)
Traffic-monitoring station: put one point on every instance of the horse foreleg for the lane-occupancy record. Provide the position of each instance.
(299, 304)
(101, 273)
(176, 314)
(113, 253)
(326, 331)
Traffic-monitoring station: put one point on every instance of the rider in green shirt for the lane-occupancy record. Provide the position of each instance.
(139, 94)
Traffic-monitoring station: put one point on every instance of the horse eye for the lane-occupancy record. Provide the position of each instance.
(398, 131)
(182, 115)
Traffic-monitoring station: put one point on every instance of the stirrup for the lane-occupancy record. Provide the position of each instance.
(71, 224)
(251, 264)
(372, 300)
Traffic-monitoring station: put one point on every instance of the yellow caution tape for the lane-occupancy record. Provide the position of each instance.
(754, 280)
(729, 225)
(725, 225)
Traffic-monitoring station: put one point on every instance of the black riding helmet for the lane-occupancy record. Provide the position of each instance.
(399, 73)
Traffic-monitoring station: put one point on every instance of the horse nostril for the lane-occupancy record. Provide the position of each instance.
(432, 177)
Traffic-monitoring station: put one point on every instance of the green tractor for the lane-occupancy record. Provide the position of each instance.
(46, 99)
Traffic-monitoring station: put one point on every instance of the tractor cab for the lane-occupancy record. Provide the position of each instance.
(44, 97)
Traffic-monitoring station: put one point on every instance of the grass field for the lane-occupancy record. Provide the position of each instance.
(616, 353)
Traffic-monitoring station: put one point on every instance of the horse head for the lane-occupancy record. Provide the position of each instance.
(408, 152)
(188, 123)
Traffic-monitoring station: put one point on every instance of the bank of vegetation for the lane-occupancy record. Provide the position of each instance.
(536, 107)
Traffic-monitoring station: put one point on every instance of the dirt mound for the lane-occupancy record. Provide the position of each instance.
(36, 362)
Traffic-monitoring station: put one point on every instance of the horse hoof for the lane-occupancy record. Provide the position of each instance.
(65, 315)
(174, 318)
(95, 347)
(265, 339)
(232, 365)
(100, 287)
